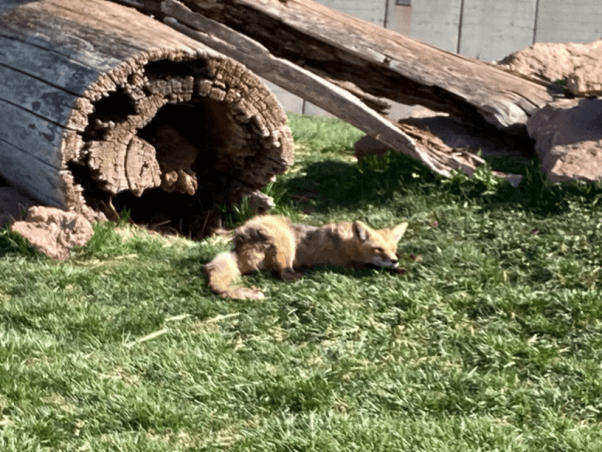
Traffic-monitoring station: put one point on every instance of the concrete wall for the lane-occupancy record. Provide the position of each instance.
(485, 29)
(437, 22)
(370, 10)
(492, 29)
(569, 21)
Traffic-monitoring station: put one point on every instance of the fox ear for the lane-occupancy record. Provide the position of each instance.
(360, 230)
(399, 231)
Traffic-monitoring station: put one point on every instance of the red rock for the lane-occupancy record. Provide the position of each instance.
(52, 231)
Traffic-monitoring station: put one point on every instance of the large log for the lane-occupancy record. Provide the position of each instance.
(379, 61)
(302, 82)
(104, 108)
(352, 69)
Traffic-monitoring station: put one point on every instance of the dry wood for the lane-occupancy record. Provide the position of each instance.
(342, 102)
(101, 105)
(384, 63)
(377, 61)
(352, 68)
(292, 77)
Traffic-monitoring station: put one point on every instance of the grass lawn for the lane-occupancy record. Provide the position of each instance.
(490, 341)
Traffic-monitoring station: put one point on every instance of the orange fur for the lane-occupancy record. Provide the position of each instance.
(274, 243)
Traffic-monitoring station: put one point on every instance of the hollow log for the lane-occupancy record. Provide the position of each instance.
(105, 109)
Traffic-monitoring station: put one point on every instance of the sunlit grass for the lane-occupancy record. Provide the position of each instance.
(491, 340)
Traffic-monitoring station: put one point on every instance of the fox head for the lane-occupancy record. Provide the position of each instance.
(378, 247)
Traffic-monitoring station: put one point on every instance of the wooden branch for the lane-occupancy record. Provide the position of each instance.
(378, 61)
(353, 69)
(292, 77)
(339, 101)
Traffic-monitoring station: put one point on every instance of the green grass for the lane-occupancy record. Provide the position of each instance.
(490, 341)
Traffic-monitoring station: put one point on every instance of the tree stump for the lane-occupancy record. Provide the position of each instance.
(105, 109)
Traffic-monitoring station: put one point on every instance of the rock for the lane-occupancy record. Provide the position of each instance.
(52, 231)
(579, 65)
(12, 205)
(568, 139)
(368, 145)
(259, 202)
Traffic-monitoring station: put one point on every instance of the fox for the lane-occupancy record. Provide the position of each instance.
(274, 243)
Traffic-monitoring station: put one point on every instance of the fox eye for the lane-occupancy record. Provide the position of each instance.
(379, 250)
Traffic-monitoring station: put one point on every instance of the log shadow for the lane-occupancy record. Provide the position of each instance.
(329, 185)
(334, 184)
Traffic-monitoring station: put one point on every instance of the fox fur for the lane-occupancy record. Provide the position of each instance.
(273, 243)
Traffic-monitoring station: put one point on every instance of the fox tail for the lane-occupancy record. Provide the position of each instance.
(222, 271)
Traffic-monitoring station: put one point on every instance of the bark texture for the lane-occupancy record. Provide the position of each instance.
(379, 62)
(104, 108)
(354, 69)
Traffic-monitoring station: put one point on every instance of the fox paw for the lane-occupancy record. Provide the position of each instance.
(244, 293)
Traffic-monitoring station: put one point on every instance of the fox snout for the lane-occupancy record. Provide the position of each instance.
(388, 262)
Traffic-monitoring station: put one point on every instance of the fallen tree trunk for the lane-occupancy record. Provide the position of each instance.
(380, 62)
(103, 108)
(299, 81)
(352, 69)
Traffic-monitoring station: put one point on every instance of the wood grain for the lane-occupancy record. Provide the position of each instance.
(84, 88)
(355, 69)
(380, 61)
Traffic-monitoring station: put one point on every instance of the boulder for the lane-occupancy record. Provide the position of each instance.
(568, 139)
(52, 231)
(577, 65)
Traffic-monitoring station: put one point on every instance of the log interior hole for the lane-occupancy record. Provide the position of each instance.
(188, 132)
(164, 68)
(187, 138)
(115, 107)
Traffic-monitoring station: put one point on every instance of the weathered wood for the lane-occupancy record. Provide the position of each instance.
(25, 92)
(297, 80)
(378, 61)
(343, 103)
(101, 101)
(28, 171)
(354, 69)
(32, 134)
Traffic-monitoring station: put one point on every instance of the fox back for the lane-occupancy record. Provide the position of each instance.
(348, 245)
(274, 243)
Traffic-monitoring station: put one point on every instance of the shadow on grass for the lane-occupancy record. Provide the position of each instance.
(11, 243)
(373, 180)
(329, 183)
(534, 194)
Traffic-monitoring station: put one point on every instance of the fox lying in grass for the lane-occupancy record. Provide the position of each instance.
(274, 243)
